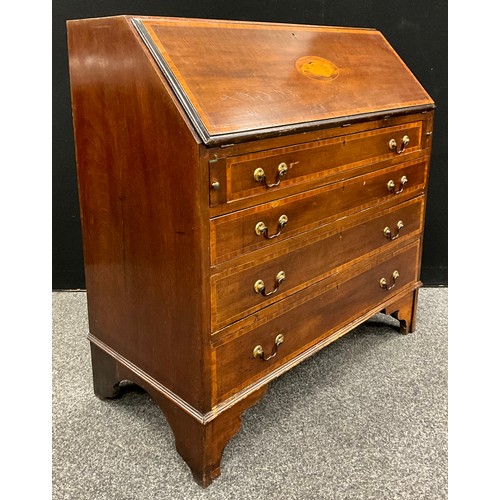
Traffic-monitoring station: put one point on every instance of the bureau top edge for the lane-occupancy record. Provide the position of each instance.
(268, 133)
(240, 81)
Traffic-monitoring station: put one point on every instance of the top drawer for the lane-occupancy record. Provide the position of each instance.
(255, 174)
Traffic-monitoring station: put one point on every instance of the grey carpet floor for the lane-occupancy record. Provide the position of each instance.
(365, 418)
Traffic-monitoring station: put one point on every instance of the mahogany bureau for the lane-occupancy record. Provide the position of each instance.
(249, 193)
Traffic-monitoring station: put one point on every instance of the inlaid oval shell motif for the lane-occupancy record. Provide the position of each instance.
(317, 68)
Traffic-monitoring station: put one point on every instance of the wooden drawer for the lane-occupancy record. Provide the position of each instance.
(308, 259)
(314, 160)
(305, 318)
(235, 234)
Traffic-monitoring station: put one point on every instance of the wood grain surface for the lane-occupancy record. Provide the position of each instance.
(246, 76)
(144, 227)
(317, 160)
(308, 258)
(234, 234)
(306, 317)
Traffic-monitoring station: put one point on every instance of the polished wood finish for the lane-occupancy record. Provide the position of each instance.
(405, 310)
(220, 156)
(304, 263)
(234, 235)
(245, 76)
(121, 168)
(171, 123)
(320, 159)
(200, 444)
(306, 318)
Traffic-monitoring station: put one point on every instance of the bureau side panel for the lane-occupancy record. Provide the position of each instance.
(144, 209)
(428, 130)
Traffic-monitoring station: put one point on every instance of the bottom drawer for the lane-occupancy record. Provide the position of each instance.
(307, 317)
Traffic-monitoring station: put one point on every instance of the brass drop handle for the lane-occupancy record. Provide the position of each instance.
(258, 351)
(393, 145)
(383, 281)
(261, 228)
(391, 185)
(260, 176)
(260, 287)
(388, 233)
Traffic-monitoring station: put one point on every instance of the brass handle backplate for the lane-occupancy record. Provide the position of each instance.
(260, 287)
(393, 145)
(261, 228)
(391, 185)
(258, 351)
(260, 176)
(388, 233)
(383, 281)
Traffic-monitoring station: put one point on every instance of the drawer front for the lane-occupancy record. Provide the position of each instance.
(308, 259)
(306, 318)
(242, 231)
(251, 175)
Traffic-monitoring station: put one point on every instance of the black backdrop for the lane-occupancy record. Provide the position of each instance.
(418, 31)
